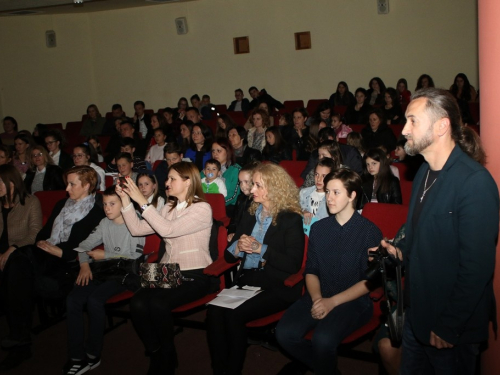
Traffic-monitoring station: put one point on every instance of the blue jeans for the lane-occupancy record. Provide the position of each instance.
(320, 353)
(94, 296)
(419, 358)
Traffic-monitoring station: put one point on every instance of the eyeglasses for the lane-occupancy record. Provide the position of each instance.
(78, 156)
(37, 155)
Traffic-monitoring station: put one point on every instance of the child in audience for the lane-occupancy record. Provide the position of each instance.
(276, 148)
(93, 291)
(127, 145)
(312, 199)
(147, 184)
(156, 151)
(212, 182)
(173, 154)
(400, 151)
(341, 130)
(125, 165)
(94, 141)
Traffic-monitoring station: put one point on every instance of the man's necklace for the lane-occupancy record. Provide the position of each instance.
(425, 186)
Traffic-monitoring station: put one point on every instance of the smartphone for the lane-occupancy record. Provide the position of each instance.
(122, 181)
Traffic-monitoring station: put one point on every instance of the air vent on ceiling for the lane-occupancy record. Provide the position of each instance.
(23, 12)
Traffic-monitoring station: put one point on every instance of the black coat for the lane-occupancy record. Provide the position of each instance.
(65, 161)
(382, 137)
(245, 106)
(391, 196)
(285, 251)
(53, 179)
(351, 116)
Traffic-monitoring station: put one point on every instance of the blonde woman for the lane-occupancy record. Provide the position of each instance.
(43, 174)
(256, 136)
(269, 241)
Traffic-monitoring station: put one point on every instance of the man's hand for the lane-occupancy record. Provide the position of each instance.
(438, 342)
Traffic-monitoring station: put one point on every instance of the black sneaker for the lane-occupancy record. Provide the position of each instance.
(93, 362)
(73, 367)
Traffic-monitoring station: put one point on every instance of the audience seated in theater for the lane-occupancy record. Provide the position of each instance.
(156, 151)
(424, 81)
(379, 184)
(256, 136)
(322, 113)
(204, 112)
(270, 242)
(341, 130)
(142, 121)
(300, 133)
(9, 131)
(94, 123)
(47, 268)
(173, 154)
(342, 97)
(377, 133)
(224, 123)
(200, 149)
(412, 163)
(43, 174)
(6, 155)
(462, 89)
(244, 199)
(110, 127)
(312, 199)
(125, 165)
(355, 140)
(96, 283)
(223, 152)
(86, 155)
(375, 94)
(241, 104)
(286, 127)
(276, 148)
(53, 140)
(358, 113)
(392, 109)
(184, 138)
(403, 92)
(180, 111)
(244, 154)
(94, 141)
(185, 224)
(127, 145)
(336, 302)
(148, 186)
(262, 96)
(326, 149)
(21, 159)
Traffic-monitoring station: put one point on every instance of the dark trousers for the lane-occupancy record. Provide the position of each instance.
(320, 353)
(227, 334)
(418, 358)
(94, 296)
(17, 286)
(151, 310)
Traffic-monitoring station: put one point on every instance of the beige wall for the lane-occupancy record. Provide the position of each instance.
(125, 55)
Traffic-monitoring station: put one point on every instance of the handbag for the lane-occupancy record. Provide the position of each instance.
(161, 275)
(124, 271)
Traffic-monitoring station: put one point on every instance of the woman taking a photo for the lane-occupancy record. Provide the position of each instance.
(43, 174)
(184, 223)
(270, 242)
(336, 303)
(379, 184)
(48, 267)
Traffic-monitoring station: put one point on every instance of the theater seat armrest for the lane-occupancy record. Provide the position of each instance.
(294, 279)
(218, 267)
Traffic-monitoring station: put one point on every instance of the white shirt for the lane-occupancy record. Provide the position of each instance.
(56, 157)
(142, 127)
(155, 153)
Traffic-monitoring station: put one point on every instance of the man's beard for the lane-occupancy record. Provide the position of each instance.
(419, 146)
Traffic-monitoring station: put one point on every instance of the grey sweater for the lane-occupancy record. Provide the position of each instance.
(117, 240)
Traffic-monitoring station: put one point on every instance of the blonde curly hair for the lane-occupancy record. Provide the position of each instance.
(281, 190)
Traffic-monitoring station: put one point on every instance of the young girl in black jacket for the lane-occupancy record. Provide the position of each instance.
(379, 184)
(276, 148)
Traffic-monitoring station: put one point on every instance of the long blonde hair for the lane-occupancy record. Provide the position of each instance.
(281, 190)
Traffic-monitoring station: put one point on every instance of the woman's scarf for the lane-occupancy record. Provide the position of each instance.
(72, 212)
